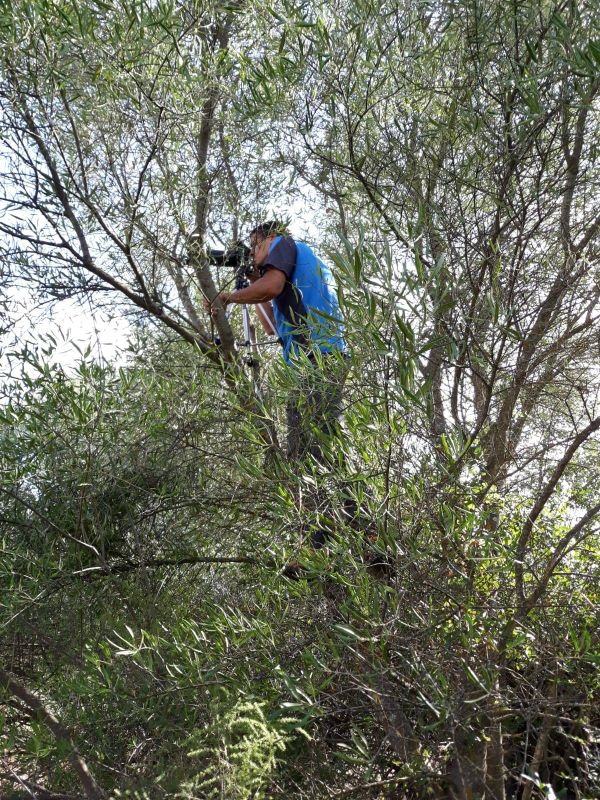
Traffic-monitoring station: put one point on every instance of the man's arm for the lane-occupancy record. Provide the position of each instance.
(261, 291)
(264, 311)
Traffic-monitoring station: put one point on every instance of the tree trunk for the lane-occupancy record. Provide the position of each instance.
(468, 765)
(494, 782)
(540, 746)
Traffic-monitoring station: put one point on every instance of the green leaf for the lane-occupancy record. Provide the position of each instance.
(349, 633)
(594, 48)
(357, 266)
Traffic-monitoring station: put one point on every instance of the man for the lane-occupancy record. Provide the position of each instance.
(296, 294)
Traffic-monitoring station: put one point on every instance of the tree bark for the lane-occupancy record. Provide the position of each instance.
(540, 746)
(494, 782)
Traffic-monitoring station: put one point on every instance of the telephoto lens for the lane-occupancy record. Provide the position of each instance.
(234, 257)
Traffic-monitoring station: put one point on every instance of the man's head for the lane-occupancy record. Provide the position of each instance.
(261, 238)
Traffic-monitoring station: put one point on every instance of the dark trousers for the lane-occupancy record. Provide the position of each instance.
(314, 409)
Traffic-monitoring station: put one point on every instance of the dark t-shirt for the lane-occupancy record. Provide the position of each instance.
(282, 255)
(290, 303)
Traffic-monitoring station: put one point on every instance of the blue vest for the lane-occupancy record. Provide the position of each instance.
(313, 320)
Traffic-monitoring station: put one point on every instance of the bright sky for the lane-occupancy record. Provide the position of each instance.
(69, 327)
(66, 327)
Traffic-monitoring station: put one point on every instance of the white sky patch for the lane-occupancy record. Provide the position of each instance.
(60, 332)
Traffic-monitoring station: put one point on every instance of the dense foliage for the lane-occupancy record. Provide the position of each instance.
(445, 642)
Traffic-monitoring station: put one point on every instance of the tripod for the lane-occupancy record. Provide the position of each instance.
(249, 339)
(241, 282)
(248, 332)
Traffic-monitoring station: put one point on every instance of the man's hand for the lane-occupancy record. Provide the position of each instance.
(211, 307)
(262, 290)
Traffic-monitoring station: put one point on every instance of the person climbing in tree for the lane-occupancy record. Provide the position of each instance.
(296, 293)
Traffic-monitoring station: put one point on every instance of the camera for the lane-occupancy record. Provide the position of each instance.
(236, 257)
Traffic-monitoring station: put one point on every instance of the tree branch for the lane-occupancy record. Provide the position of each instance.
(91, 789)
(541, 502)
